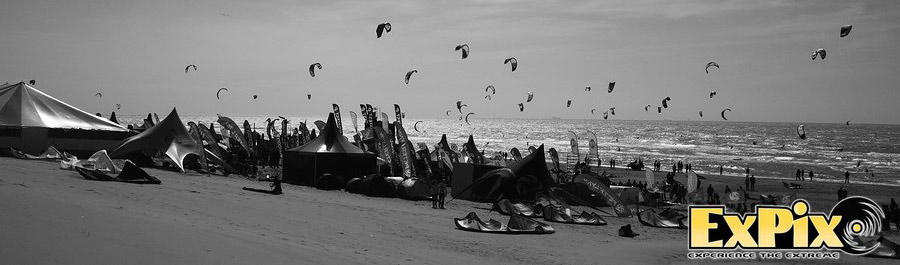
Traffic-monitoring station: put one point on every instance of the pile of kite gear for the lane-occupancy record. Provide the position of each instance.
(49, 154)
(792, 185)
(625, 231)
(276, 188)
(667, 218)
(130, 174)
(517, 225)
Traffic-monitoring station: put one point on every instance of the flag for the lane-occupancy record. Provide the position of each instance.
(337, 118)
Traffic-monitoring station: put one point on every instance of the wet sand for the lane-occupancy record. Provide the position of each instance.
(53, 216)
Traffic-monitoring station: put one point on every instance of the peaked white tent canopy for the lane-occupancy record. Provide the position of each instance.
(24, 106)
(31, 120)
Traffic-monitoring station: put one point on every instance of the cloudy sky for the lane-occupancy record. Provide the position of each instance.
(135, 52)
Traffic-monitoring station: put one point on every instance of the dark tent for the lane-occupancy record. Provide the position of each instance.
(520, 182)
(329, 153)
(112, 117)
(473, 152)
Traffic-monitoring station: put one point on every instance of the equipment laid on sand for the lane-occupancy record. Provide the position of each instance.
(885, 249)
(668, 218)
(413, 189)
(517, 225)
(562, 214)
(276, 188)
(372, 186)
(31, 121)
(625, 231)
(792, 186)
(49, 154)
(131, 173)
(506, 207)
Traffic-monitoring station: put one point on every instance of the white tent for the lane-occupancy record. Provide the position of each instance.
(31, 121)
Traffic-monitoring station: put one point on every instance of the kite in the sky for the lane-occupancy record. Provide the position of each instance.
(312, 71)
(512, 62)
(820, 53)
(189, 67)
(723, 114)
(845, 30)
(220, 91)
(711, 64)
(416, 125)
(612, 85)
(409, 74)
(491, 88)
(465, 50)
(383, 27)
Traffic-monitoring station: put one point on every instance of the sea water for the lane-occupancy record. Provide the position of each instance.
(770, 150)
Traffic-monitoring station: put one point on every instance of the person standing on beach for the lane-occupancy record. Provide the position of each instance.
(748, 171)
(435, 194)
(720, 169)
(709, 194)
(442, 193)
(752, 182)
(797, 176)
(747, 182)
(811, 175)
(847, 177)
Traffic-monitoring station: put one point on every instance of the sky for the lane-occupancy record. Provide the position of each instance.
(135, 52)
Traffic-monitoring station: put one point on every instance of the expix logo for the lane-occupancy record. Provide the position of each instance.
(786, 228)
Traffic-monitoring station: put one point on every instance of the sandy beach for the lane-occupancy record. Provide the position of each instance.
(53, 216)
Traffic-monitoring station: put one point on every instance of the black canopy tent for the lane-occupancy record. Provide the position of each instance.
(329, 153)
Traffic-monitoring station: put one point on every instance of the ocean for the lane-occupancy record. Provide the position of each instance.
(770, 150)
